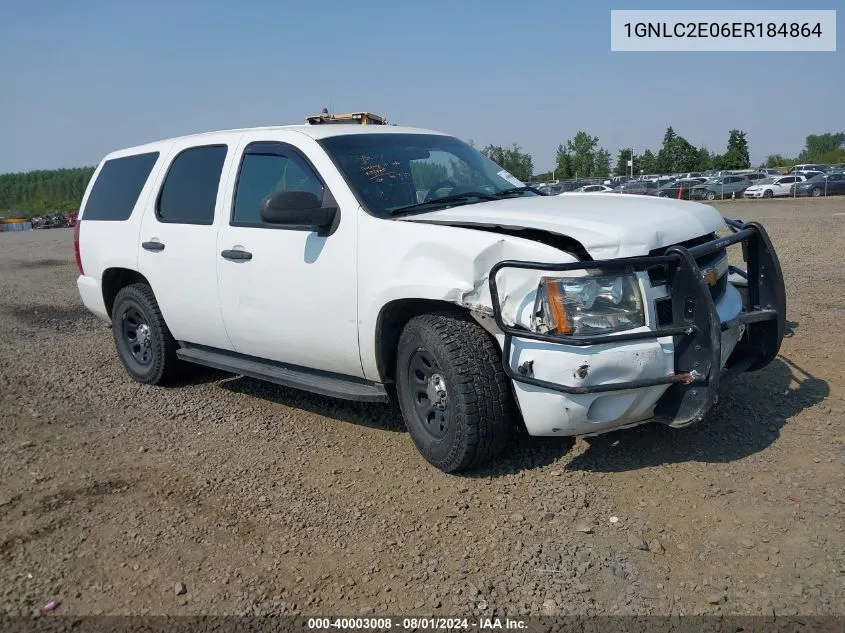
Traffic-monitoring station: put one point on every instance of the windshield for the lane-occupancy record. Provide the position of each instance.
(393, 173)
(817, 178)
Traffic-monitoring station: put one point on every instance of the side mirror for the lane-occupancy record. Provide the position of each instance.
(300, 210)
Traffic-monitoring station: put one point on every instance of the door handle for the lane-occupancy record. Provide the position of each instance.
(152, 246)
(236, 256)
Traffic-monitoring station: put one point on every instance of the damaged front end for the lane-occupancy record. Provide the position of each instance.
(690, 319)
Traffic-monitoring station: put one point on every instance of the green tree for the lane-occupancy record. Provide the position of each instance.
(517, 162)
(601, 164)
(582, 148)
(622, 168)
(736, 157)
(648, 162)
(38, 191)
(821, 148)
(777, 160)
(703, 160)
(677, 154)
(563, 164)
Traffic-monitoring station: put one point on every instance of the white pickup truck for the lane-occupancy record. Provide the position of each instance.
(366, 261)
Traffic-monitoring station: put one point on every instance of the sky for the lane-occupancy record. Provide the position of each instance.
(80, 79)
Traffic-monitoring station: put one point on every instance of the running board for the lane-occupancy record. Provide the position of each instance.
(315, 381)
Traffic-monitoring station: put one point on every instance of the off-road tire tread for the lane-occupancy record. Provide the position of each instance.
(166, 364)
(479, 390)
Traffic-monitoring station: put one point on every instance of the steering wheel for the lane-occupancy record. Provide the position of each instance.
(440, 185)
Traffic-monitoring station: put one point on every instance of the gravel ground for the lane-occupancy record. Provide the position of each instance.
(226, 495)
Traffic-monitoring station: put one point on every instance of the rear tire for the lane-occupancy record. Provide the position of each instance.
(453, 393)
(144, 344)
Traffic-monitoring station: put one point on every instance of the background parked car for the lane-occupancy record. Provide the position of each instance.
(638, 187)
(682, 187)
(809, 167)
(772, 187)
(756, 176)
(593, 189)
(724, 187)
(807, 173)
(822, 185)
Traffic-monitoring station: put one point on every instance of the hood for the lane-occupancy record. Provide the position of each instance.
(607, 226)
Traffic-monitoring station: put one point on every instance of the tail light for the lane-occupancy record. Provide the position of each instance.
(76, 246)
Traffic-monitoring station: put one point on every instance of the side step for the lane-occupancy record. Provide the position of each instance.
(315, 381)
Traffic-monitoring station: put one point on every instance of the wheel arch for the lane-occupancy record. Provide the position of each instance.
(114, 279)
(392, 318)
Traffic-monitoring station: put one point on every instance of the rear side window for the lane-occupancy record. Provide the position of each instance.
(189, 192)
(118, 186)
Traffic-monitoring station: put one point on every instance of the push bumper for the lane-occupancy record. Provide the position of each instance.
(679, 365)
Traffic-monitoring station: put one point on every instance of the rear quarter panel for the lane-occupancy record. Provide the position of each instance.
(114, 244)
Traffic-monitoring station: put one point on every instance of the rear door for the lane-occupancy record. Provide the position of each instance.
(178, 241)
(292, 296)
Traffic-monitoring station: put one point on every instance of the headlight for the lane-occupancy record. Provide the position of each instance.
(593, 304)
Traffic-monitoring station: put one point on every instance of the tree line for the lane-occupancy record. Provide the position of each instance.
(581, 156)
(40, 191)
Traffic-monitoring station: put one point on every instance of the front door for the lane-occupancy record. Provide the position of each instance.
(292, 296)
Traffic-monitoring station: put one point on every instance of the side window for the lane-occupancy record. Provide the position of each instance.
(269, 168)
(118, 186)
(189, 192)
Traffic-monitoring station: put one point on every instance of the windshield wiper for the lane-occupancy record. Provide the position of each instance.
(461, 197)
(506, 192)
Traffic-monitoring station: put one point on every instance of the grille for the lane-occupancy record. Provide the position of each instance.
(658, 275)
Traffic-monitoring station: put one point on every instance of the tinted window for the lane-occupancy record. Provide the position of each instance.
(118, 186)
(189, 192)
(269, 168)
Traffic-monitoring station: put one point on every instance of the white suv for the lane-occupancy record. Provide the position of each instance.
(304, 256)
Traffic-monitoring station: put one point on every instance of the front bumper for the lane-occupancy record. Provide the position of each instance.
(669, 372)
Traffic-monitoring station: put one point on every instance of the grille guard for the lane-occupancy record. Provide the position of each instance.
(696, 327)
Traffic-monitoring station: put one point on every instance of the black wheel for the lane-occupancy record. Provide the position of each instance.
(816, 192)
(768, 193)
(452, 390)
(144, 344)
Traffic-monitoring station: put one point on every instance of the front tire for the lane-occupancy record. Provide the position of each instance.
(452, 391)
(144, 344)
(768, 193)
(816, 192)
(710, 195)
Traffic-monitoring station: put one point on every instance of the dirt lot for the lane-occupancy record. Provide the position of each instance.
(226, 495)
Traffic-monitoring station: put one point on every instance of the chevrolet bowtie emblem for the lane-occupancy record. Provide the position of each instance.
(711, 276)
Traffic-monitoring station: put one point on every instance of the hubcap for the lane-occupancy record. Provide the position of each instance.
(138, 336)
(429, 392)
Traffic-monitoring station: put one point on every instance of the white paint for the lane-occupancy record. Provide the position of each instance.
(315, 301)
(617, 225)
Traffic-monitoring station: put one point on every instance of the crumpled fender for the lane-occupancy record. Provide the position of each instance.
(403, 260)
